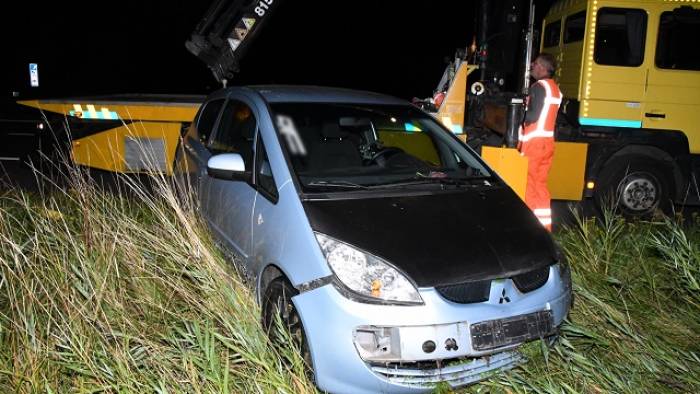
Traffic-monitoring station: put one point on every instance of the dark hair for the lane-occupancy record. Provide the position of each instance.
(549, 62)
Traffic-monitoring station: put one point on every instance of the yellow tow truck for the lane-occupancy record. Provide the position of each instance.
(124, 133)
(628, 131)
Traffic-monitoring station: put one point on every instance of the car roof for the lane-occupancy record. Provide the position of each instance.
(319, 94)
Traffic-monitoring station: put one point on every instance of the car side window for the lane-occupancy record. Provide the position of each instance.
(264, 178)
(207, 118)
(235, 132)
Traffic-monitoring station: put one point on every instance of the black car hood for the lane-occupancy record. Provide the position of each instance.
(440, 238)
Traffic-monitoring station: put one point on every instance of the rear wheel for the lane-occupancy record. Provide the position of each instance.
(277, 301)
(635, 188)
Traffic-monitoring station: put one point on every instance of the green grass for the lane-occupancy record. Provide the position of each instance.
(636, 316)
(101, 292)
(108, 293)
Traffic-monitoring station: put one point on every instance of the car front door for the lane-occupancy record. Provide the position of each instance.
(229, 203)
(268, 228)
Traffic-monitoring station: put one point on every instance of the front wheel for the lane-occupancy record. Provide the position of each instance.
(277, 301)
(635, 188)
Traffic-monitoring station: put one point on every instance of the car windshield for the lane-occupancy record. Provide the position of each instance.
(337, 147)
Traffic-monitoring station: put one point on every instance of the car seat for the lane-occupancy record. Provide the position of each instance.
(334, 150)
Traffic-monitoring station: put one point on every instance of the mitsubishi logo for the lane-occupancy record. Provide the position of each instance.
(504, 297)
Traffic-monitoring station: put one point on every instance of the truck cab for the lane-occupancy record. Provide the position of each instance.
(630, 74)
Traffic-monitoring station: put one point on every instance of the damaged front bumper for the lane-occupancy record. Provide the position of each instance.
(369, 348)
(456, 372)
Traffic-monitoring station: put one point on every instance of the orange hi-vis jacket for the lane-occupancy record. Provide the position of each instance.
(544, 127)
(537, 144)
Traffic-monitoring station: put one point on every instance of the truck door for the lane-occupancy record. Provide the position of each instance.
(570, 57)
(614, 67)
(673, 87)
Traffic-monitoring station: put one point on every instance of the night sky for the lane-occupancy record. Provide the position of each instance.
(389, 46)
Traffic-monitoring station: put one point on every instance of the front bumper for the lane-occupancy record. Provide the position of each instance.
(331, 322)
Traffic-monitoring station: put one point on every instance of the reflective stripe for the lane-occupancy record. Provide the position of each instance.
(537, 134)
(104, 113)
(548, 89)
(543, 211)
(545, 221)
(542, 121)
(91, 112)
(610, 122)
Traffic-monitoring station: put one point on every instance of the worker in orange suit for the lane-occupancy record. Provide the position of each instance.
(536, 138)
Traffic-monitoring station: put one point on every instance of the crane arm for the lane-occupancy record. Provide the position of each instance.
(224, 34)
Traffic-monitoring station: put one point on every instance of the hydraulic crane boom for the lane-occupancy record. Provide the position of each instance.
(225, 33)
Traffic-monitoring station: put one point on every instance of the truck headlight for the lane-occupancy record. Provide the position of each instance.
(366, 275)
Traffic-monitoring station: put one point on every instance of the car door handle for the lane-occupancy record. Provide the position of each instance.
(654, 115)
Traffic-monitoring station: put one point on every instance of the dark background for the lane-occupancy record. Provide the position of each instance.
(87, 48)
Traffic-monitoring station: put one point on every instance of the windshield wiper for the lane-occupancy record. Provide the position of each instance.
(415, 181)
(336, 184)
(422, 179)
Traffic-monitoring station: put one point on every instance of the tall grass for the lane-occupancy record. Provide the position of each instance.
(103, 292)
(679, 254)
(123, 292)
(635, 321)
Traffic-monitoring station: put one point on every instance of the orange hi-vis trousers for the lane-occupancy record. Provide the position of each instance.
(537, 144)
(539, 153)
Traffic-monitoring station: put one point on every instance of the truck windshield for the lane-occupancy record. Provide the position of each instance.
(337, 147)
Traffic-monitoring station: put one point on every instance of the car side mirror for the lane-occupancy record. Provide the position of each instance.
(228, 166)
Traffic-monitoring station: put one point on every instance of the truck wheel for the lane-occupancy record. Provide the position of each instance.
(635, 188)
(277, 301)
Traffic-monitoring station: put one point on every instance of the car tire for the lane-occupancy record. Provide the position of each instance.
(277, 301)
(636, 188)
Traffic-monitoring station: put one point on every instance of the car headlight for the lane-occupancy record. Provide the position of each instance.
(366, 275)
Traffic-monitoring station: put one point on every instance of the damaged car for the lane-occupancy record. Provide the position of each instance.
(395, 256)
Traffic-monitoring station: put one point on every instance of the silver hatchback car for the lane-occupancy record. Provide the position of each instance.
(395, 256)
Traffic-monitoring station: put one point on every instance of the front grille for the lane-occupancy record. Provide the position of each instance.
(531, 280)
(466, 293)
(456, 372)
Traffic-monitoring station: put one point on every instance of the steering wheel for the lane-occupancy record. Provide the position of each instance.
(384, 154)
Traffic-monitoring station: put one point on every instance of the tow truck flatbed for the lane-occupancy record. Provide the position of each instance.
(127, 133)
